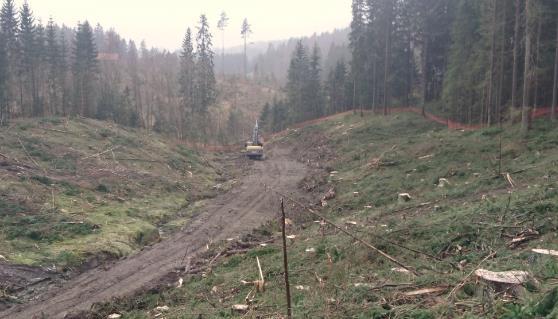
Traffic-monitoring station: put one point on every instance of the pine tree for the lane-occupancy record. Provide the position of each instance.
(187, 81)
(245, 31)
(222, 25)
(84, 69)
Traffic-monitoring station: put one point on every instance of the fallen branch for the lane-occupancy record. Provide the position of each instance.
(343, 230)
(58, 131)
(425, 291)
(497, 225)
(4, 156)
(464, 280)
(139, 160)
(29, 156)
(101, 153)
(545, 252)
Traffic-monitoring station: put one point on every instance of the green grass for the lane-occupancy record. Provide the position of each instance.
(460, 223)
(60, 205)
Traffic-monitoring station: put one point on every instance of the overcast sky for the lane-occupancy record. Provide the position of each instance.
(162, 23)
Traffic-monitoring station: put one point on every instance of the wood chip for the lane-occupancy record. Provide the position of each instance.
(400, 270)
(162, 308)
(114, 316)
(240, 308)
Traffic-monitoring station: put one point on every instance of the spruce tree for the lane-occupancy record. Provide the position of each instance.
(205, 77)
(187, 81)
(52, 57)
(84, 69)
(337, 81)
(28, 42)
(297, 84)
(314, 91)
(9, 25)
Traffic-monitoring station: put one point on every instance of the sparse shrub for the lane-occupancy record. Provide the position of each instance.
(42, 179)
(102, 188)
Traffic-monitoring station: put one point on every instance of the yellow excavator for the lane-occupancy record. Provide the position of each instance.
(254, 147)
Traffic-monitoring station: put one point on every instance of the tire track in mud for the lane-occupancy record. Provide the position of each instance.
(234, 213)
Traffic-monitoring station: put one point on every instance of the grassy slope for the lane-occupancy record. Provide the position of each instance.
(457, 223)
(59, 207)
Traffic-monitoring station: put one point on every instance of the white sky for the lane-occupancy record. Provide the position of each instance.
(162, 23)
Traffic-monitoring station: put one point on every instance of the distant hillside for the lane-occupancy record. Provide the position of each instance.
(271, 59)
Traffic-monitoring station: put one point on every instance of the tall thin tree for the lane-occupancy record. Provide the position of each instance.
(555, 82)
(526, 110)
(245, 32)
(516, 41)
(222, 25)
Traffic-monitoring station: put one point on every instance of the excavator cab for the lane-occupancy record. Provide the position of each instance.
(254, 147)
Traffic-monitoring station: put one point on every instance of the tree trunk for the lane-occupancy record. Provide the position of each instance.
(515, 54)
(489, 105)
(525, 111)
(502, 64)
(424, 73)
(374, 84)
(245, 60)
(537, 62)
(555, 83)
(389, 7)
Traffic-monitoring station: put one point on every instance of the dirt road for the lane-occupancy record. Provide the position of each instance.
(239, 211)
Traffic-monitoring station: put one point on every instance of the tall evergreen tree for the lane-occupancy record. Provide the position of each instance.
(205, 88)
(4, 114)
(9, 26)
(245, 31)
(314, 91)
(52, 54)
(28, 43)
(336, 84)
(187, 81)
(222, 25)
(84, 69)
(297, 84)
(526, 109)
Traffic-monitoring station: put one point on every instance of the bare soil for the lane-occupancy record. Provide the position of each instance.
(245, 207)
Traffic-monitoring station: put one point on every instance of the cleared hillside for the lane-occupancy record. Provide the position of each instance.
(466, 210)
(79, 190)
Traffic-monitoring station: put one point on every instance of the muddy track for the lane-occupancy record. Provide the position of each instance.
(242, 209)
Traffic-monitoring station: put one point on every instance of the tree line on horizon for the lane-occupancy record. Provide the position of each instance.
(56, 70)
(474, 61)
